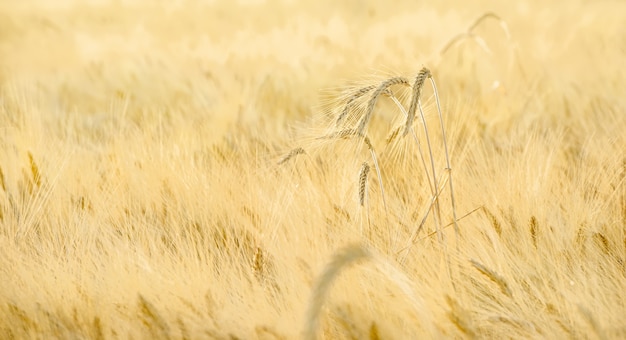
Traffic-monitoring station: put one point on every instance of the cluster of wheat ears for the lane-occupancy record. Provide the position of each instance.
(356, 108)
(350, 121)
(355, 126)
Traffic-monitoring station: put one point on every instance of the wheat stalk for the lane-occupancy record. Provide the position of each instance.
(448, 166)
(437, 215)
(396, 131)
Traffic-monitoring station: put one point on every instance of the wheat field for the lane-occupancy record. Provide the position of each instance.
(279, 169)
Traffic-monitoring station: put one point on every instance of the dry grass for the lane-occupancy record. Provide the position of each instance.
(172, 171)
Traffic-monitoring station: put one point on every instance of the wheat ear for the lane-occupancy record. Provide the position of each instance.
(469, 33)
(493, 276)
(356, 95)
(365, 169)
(370, 147)
(416, 105)
(294, 152)
(417, 91)
(374, 98)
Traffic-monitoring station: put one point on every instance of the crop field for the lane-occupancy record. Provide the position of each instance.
(271, 169)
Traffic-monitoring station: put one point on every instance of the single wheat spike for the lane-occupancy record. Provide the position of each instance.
(345, 133)
(534, 227)
(365, 169)
(258, 263)
(493, 276)
(417, 91)
(291, 154)
(370, 147)
(372, 102)
(392, 136)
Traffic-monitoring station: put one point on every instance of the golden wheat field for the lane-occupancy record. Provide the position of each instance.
(312, 169)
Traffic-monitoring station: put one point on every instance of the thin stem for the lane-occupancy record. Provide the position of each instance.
(449, 168)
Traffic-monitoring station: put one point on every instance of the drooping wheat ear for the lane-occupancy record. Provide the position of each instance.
(492, 15)
(417, 92)
(371, 104)
(341, 259)
(413, 238)
(469, 33)
(493, 276)
(365, 169)
(393, 134)
(356, 95)
(294, 152)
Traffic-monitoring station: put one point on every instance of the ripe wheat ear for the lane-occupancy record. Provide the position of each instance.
(356, 95)
(371, 104)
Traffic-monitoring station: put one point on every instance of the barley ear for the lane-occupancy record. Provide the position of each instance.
(291, 154)
(371, 104)
(365, 169)
(417, 91)
(356, 95)
(493, 276)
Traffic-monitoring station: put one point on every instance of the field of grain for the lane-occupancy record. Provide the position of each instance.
(278, 169)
